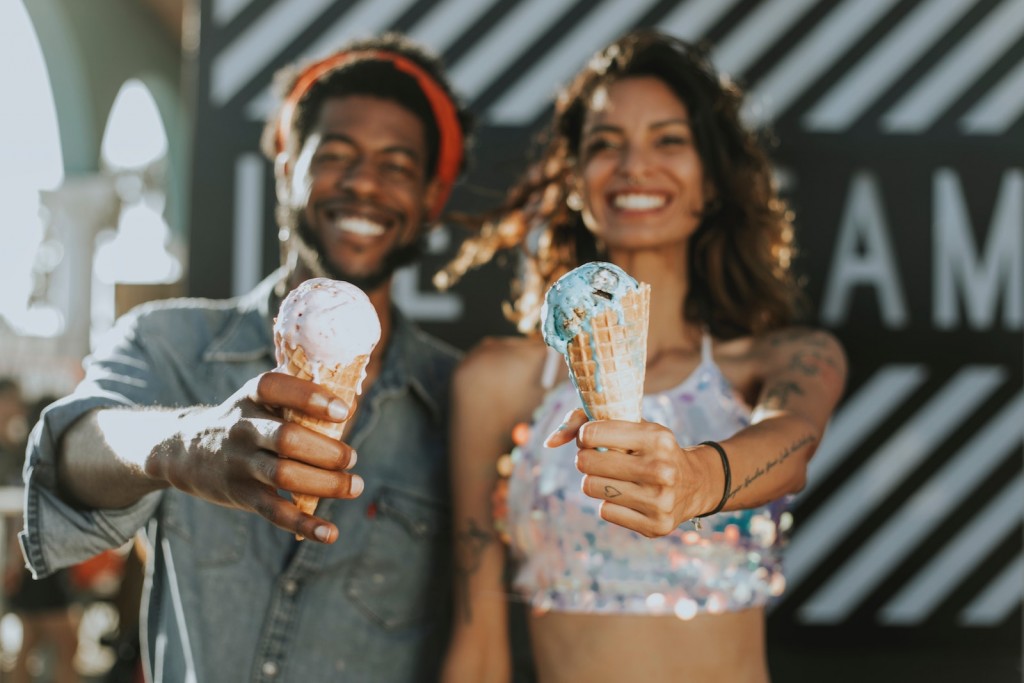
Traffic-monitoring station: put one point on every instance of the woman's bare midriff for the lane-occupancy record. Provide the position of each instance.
(723, 648)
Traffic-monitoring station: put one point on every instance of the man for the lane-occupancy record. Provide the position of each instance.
(366, 146)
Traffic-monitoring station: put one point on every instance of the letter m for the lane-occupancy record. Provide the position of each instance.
(957, 266)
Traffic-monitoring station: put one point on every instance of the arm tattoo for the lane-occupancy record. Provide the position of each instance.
(777, 460)
(778, 396)
(470, 546)
(809, 363)
(780, 338)
(804, 363)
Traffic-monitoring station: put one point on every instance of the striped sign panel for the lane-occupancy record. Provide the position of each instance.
(901, 128)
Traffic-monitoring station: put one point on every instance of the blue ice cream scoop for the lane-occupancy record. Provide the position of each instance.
(596, 317)
(579, 296)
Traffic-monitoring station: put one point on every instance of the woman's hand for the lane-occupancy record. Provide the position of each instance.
(645, 480)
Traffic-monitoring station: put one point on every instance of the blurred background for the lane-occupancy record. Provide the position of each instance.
(131, 171)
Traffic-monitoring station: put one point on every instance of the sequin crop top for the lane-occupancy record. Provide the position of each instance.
(570, 560)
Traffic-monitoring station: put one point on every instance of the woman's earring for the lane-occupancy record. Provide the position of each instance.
(574, 201)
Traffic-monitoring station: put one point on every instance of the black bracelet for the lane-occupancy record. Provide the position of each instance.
(728, 477)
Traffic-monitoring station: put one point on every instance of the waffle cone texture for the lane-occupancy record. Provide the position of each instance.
(608, 361)
(344, 381)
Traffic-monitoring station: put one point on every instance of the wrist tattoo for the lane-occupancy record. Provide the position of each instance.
(472, 543)
(470, 546)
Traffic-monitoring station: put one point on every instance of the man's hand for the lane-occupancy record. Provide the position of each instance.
(241, 452)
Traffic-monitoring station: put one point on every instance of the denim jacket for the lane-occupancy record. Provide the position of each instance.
(229, 596)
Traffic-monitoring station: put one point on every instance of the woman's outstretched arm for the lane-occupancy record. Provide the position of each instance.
(651, 484)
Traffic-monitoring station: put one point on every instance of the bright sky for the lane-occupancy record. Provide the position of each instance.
(30, 154)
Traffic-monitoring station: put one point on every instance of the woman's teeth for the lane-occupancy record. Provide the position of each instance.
(359, 226)
(638, 202)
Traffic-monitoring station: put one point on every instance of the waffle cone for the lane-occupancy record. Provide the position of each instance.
(608, 369)
(343, 381)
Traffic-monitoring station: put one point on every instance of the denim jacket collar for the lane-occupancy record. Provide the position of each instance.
(248, 336)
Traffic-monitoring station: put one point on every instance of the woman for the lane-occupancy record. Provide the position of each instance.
(647, 167)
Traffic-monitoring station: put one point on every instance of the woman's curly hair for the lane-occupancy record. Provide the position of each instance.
(740, 254)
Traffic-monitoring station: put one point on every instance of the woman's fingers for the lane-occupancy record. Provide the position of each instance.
(621, 492)
(631, 519)
(643, 468)
(651, 502)
(613, 464)
(566, 431)
(626, 436)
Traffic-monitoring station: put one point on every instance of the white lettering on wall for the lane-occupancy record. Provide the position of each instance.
(957, 266)
(863, 255)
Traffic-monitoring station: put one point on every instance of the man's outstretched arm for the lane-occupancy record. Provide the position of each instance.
(237, 454)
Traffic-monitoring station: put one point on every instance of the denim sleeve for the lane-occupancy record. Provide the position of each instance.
(56, 535)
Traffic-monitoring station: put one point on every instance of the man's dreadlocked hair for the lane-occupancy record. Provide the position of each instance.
(740, 280)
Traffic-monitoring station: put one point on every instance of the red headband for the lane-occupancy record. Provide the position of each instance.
(449, 153)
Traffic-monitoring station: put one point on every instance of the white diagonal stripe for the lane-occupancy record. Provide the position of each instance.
(932, 95)
(912, 443)
(446, 22)
(236, 64)
(818, 50)
(363, 20)
(887, 61)
(247, 244)
(226, 10)
(1000, 107)
(922, 595)
(691, 19)
(260, 106)
(528, 97)
(499, 47)
(916, 519)
(993, 605)
(757, 32)
(873, 403)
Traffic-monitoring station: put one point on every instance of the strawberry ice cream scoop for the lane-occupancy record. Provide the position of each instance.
(332, 321)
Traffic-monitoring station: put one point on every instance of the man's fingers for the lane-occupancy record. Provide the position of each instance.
(300, 443)
(298, 477)
(566, 431)
(283, 514)
(297, 442)
(284, 391)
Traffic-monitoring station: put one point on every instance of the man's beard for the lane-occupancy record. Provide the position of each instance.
(313, 255)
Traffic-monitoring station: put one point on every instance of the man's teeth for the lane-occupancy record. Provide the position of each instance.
(638, 202)
(359, 226)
